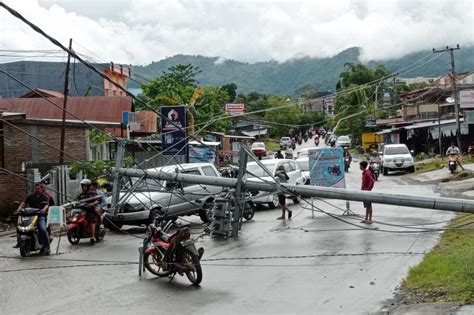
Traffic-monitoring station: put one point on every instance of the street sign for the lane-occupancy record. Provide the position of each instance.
(469, 116)
(327, 167)
(371, 123)
(173, 133)
(56, 216)
(235, 109)
(466, 98)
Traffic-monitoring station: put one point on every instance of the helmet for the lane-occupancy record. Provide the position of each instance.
(85, 181)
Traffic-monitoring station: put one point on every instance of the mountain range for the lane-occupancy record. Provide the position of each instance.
(284, 78)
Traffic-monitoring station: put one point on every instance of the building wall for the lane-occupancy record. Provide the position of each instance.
(19, 149)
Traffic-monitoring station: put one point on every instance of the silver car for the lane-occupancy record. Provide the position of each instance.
(146, 199)
(256, 173)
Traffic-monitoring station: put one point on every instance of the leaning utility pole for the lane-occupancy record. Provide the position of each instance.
(455, 91)
(66, 91)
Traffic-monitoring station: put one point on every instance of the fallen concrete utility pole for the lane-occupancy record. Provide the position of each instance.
(437, 203)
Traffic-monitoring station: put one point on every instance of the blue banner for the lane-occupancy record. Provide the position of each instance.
(326, 167)
(173, 130)
(201, 154)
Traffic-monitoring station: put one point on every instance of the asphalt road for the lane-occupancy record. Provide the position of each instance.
(304, 265)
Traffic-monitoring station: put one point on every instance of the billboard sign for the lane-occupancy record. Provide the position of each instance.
(201, 154)
(466, 98)
(469, 116)
(326, 167)
(173, 130)
(235, 109)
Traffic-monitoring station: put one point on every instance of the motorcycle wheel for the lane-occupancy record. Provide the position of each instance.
(73, 236)
(194, 272)
(376, 174)
(205, 213)
(25, 248)
(249, 212)
(154, 266)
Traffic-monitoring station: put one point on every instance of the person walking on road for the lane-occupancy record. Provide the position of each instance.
(281, 174)
(367, 184)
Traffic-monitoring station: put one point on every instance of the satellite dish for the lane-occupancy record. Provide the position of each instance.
(450, 100)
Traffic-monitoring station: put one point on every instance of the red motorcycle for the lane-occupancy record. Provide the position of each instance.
(78, 227)
(168, 255)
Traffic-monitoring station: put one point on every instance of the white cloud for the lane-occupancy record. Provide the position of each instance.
(146, 30)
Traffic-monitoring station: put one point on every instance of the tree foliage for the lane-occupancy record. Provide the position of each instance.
(287, 114)
(355, 101)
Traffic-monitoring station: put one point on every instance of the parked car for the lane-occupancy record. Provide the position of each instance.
(285, 142)
(259, 174)
(397, 157)
(152, 198)
(259, 149)
(344, 141)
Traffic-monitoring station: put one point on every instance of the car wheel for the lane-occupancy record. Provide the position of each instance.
(385, 171)
(274, 203)
(411, 169)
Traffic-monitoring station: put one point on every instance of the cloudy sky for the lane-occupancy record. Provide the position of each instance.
(141, 31)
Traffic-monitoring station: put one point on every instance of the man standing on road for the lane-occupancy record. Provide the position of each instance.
(367, 184)
(281, 174)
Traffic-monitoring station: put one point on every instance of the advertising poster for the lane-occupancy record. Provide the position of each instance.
(326, 167)
(173, 139)
(201, 154)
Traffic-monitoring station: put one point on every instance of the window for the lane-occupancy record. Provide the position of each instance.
(287, 167)
(293, 165)
(190, 172)
(209, 171)
(396, 150)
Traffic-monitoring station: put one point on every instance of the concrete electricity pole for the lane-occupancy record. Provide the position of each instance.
(66, 91)
(455, 91)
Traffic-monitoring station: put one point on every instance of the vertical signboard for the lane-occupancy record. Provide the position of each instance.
(173, 130)
(326, 167)
(466, 98)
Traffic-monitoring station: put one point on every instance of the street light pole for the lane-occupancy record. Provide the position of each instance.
(455, 91)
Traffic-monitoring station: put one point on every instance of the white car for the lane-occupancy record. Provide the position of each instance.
(257, 173)
(303, 162)
(285, 142)
(151, 198)
(397, 157)
(343, 141)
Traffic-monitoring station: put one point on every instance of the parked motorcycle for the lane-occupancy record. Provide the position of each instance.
(78, 226)
(27, 228)
(375, 169)
(168, 255)
(452, 163)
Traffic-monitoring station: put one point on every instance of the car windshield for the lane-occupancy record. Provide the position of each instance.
(256, 171)
(258, 145)
(396, 150)
(343, 138)
(285, 139)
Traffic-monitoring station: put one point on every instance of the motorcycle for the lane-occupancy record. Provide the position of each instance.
(167, 255)
(316, 141)
(375, 169)
(452, 163)
(347, 164)
(305, 138)
(78, 226)
(27, 228)
(300, 141)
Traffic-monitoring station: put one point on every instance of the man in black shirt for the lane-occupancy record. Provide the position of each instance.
(38, 200)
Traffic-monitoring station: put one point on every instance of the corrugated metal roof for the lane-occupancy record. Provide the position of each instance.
(42, 92)
(98, 108)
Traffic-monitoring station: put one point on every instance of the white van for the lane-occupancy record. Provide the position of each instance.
(397, 157)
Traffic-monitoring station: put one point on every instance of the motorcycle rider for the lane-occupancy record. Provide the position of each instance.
(288, 153)
(348, 154)
(278, 155)
(102, 200)
(91, 217)
(454, 150)
(374, 158)
(38, 200)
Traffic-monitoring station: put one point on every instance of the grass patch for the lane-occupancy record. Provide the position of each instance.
(430, 166)
(458, 176)
(272, 145)
(446, 274)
